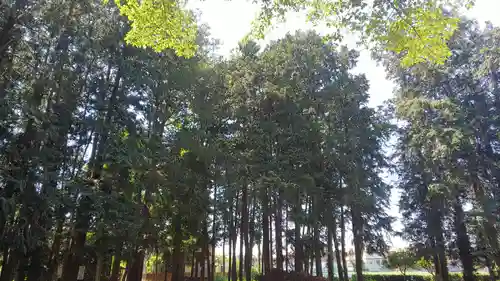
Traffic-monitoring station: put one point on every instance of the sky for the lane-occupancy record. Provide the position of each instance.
(230, 20)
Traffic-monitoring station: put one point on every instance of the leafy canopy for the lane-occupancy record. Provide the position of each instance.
(160, 25)
(417, 29)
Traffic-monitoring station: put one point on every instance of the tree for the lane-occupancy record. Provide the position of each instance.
(445, 152)
(401, 260)
(112, 154)
(426, 264)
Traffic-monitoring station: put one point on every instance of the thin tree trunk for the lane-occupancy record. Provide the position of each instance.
(206, 255)
(11, 267)
(279, 230)
(98, 268)
(337, 252)
(463, 242)
(299, 253)
(330, 254)
(234, 272)
(56, 245)
(248, 240)
(178, 257)
(243, 226)
(115, 269)
(234, 236)
(230, 258)
(266, 262)
(287, 260)
(223, 255)
(342, 243)
(214, 234)
(125, 273)
(317, 251)
(193, 261)
(490, 221)
(196, 267)
(357, 229)
(259, 258)
(436, 229)
(202, 265)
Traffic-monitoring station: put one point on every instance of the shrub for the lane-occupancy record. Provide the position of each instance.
(280, 275)
(414, 277)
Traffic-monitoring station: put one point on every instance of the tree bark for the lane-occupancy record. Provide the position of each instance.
(463, 242)
(279, 230)
(342, 243)
(337, 252)
(330, 254)
(317, 251)
(230, 258)
(266, 262)
(357, 228)
(214, 234)
(178, 257)
(115, 268)
(299, 253)
(248, 239)
(223, 255)
(436, 229)
(11, 267)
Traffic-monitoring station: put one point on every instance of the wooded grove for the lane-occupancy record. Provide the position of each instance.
(114, 156)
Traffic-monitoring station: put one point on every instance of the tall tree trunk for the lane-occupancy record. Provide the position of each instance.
(279, 230)
(337, 252)
(21, 270)
(230, 258)
(299, 249)
(99, 267)
(317, 251)
(490, 221)
(463, 242)
(248, 240)
(197, 267)
(54, 253)
(436, 229)
(214, 234)
(342, 243)
(259, 258)
(223, 255)
(266, 262)
(234, 272)
(178, 257)
(193, 263)
(202, 265)
(271, 260)
(135, 270)
(357, 228)
(11, 267)
(330, 254)
(243, 229)
(115, 268)
(206, 255)
(287, 260)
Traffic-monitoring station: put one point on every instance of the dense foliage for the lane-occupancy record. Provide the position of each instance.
(418, 29)
(448, 153)
(114, 158)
